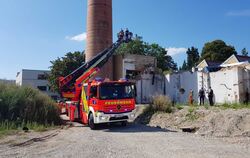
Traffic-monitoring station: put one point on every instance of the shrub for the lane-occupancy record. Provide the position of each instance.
(162, 103)
(25, 104)
(192, 115)
(179, 107)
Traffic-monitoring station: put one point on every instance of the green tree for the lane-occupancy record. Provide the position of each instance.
(184, 66)
(192, 57)
(170, 64)
(217, 50)
(244, 52)
(62, 67)
(138, 46)
(164, 61)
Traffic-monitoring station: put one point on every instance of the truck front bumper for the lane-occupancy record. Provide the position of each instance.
(101, 117)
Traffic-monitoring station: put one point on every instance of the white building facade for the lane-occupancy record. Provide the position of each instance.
(179, 85)
(36, 79)
(148, 86)
(229, 80)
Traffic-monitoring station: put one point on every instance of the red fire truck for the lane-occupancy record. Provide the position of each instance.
(95, 101)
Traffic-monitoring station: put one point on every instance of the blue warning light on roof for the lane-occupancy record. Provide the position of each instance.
(98, 79)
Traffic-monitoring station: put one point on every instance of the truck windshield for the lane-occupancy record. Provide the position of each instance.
(116, 91)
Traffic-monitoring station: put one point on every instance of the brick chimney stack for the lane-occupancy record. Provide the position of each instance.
(99, 32)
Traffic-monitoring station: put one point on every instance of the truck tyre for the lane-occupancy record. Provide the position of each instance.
(124, 123)
(91, 121)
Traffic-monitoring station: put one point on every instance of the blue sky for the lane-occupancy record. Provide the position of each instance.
(34, 32)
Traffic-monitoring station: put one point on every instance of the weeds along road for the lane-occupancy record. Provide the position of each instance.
(115, 141)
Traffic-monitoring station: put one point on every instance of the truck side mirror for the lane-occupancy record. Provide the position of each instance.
(135, 91)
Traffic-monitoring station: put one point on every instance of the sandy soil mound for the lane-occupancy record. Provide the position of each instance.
(212, 122)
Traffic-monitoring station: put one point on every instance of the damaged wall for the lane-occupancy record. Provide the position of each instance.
(243, 83)
(123, 63)
(229, 85)
(141, 68)
(148, 86)
(225, 85)
(184, 80)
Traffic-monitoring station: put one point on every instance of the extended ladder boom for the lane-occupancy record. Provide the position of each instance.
(91, 67)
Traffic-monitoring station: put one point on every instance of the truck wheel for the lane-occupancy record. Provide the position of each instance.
(124, 123)
(91, 122)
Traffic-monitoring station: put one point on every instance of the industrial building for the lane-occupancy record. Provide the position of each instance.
(229, 80)
(36, 79)
(99, 32)
(7, 81)
(137, 68)
(142, 70)
(131, 65)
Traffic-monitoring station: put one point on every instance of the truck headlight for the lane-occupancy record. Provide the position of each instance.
(103, 117)
(132, 115)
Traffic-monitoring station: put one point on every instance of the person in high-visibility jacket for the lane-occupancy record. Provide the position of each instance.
(191, 97)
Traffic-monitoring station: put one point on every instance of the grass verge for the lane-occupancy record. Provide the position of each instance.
(9, 128)
(26, 107)
(234, 106)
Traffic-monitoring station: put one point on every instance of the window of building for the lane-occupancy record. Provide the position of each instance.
(131, 74)
(42, 77)
(42, 88)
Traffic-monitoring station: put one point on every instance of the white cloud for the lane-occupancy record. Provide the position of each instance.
(78, 38)
(239, 13)
(172, 51)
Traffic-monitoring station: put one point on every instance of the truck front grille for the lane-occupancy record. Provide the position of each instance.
(118, 118)
(117, 108)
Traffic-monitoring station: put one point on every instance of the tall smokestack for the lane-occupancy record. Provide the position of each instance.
(99, 32)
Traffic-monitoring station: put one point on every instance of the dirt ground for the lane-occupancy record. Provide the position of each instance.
(135, 140)
(207, 122)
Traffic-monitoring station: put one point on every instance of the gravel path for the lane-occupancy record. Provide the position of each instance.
(115, 141)
(135, 140)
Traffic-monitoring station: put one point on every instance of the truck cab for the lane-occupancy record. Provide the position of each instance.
(107, 101)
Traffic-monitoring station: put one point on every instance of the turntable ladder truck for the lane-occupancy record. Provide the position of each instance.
(96, 101)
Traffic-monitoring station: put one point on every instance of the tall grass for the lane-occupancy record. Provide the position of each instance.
(25, 104)
(162, 103)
